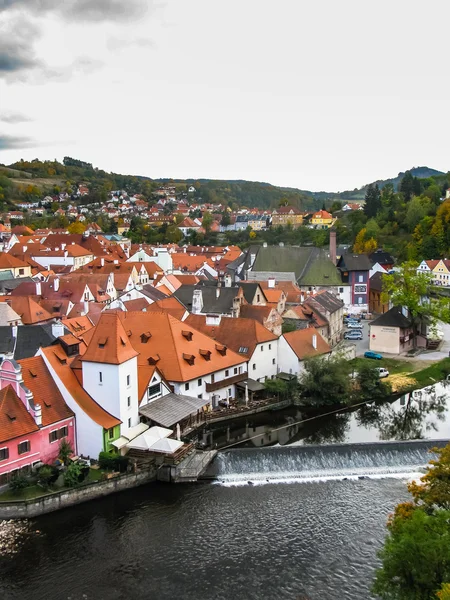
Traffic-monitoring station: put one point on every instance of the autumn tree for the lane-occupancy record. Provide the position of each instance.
(416, 554)
(76, 227)
(413, 290)
(363, 244)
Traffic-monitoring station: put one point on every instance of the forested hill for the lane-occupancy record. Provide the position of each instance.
(49, 175)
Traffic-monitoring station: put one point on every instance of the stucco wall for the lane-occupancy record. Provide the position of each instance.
(385, 339)
(22, 509)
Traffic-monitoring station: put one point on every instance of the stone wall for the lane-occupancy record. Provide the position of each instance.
(22, 509)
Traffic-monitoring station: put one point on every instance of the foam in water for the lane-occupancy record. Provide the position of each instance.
(402, 460)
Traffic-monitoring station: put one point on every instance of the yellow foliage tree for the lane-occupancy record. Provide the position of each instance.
(252, 235)
(76, 227)
(363, 246)
(444, 593)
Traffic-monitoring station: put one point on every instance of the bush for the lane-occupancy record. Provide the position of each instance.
(113, 462)
(75, 473)
(18, 483)
(45, 476)
(65, 451)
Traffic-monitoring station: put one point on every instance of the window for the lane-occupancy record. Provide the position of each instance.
(4, 453)
(213, 377)
(53, 436)
(200, 396)
(100, 377)
(227, 372)
(341, 290)
(270, 346)
(235, 371)
(360, 278)
(63, 432)
(111, 433)
(360, 300)
(186, 386)
(254, 366)
(129, 423)
(21, 271)
(23, 447)
(229, 392)
(154, 390)
(360, 289)
(128, 380)
(273, 361)
(258, 297)
(199, 382)
(262, 348)
(129, 401)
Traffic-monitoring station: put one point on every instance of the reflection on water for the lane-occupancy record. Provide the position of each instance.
(422, 414)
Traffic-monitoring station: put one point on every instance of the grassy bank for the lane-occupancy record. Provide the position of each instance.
(404, 375)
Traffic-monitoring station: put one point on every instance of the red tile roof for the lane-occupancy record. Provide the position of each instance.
(110, 343)
(15, 420)
(301, 342)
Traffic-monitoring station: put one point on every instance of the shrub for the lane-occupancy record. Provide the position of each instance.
(65, 451)
(113, 462)
(45, 476)
(74, 474)
(18, 483)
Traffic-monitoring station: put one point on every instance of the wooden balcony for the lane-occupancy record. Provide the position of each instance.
(218, 385)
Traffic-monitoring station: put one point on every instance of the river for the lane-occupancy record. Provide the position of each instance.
(307, 527)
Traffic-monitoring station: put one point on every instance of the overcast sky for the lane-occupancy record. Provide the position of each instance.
(318, 94)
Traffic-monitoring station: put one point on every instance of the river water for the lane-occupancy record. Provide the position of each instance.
(294, 521)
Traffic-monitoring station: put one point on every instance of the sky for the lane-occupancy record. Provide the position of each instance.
(318, 95)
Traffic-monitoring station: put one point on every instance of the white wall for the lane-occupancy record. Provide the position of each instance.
(287, 359)
(88, 434)
(265, 361)
(112, 392)
(195, 389)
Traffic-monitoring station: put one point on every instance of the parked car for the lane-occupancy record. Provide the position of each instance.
(353, 335)
(371, 354)
(352, 319)
(354, 325)
(382, 372)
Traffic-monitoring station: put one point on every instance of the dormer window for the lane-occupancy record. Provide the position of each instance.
(187, 334)
(189, 358)
(145, 337)
(205, 353)
(221, 349)
(102, 342)
(152, 360)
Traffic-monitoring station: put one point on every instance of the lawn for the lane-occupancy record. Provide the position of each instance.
(391, 364)
(34, 491)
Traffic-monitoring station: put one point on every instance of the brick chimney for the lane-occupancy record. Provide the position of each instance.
(333, 247)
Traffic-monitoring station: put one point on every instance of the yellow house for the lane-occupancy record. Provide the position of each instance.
(441, 273)
(14, 266)
(287, 215)
(322, 219)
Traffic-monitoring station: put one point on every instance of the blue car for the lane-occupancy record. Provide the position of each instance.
(370, 354)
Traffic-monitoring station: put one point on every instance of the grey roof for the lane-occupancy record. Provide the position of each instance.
(172, 408)
(212, 303)
(6, 275)
(354, 262)
(152, 292)
(311, 265)
(32, 337)
(7, 285)
(249, 288)
(393, 318)
(327, 301)
(7, 341)
(382, 257)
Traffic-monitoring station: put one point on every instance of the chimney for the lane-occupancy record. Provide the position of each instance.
(86, 307)
(227, 280)
(102, 262)
(24, 249)
(63, 246)
(38, 288)
(314, 341)
(57, 329)
(217, 291)
(302, 298)
(333, 247)
(38, 415)
(271, 282)
(56, 284)
(197, 302)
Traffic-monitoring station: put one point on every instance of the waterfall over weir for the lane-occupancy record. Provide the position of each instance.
(309, 463)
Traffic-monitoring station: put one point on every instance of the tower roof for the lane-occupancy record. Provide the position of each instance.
(109, 343)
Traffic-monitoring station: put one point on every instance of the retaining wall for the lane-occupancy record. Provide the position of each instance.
(22, 509)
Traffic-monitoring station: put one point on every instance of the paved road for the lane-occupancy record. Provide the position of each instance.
(362, 345)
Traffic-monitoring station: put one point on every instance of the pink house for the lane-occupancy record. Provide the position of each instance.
(33, 417)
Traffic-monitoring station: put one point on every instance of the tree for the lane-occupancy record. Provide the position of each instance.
(65, 451)
(207, 221)
(363, 245)
(325, 381)
(444, 592)
(415, 557)
(373, 200)
(77, 227)
(407, 186)
(434, 487)
(417, 209)
(369, 385)
(412, 290)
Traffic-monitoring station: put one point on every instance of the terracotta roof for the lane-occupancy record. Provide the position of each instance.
(38, 380)
(110, 343)
(22, 230)
(61, 364)
(169, 342)
(234, 333)
(7, 261)
(301, 342)
(78, 325)
(171, 306)
(273, 295)
(184, 262)
(292, 291)
(15, 420)
(139, 304)
(322, 214)
(29, 310)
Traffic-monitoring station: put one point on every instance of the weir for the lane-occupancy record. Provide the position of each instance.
(309, 463)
